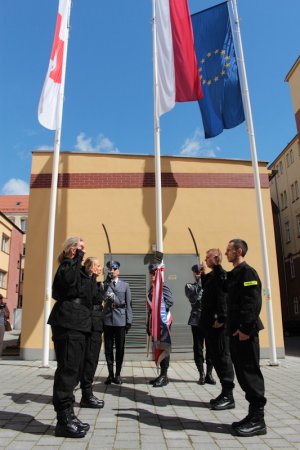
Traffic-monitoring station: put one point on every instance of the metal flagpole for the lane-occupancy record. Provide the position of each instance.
(158, 201)
(267, 290)
(52, 208)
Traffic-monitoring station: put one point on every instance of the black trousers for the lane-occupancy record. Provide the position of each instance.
(217, 345)
(69, 348)
(245, 358)
(91, 357)
(114, 336)
(198, 348)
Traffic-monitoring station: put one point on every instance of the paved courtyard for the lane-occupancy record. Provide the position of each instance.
(138, 416)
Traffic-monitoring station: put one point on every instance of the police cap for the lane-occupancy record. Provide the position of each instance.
(113, 265)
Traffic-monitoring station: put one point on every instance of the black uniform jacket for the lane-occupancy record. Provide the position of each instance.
(72, 289)
(214, 298)
(193, 292)
(244, 300)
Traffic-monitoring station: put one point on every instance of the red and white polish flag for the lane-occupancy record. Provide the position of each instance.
(48, 110)
(178, 77)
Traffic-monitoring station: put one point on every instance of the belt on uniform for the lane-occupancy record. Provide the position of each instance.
(79, 301)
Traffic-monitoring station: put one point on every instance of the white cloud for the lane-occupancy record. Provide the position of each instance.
(44, 148)
(15, 186)
(198, 146)
(102, 144)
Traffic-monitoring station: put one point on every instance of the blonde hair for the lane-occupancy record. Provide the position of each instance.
(216, 252)
(71, 242)
(88, 263)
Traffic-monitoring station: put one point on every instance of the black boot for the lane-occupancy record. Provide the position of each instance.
(110, 377)
(253, 424)
(117, 378)
(66, 427)
(88, 400)
(209, 379)
(224, 401)
(201, 380)
(83, 425)
(162, 380)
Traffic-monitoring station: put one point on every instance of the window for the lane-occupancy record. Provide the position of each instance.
(23, 224)
(284, 199)
(2, 279)
(298, 225)
(292, 267)
(291, 156)
(296, 190)
(282, 202)
(5, 243)
(293, 192)
(281, 168)
(288, 160)
(296, 305)
(287, 232)
(24, 250)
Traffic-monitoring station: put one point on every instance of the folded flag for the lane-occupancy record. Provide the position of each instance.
(221, 106)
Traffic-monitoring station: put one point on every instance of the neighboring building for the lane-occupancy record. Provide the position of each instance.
(10, 264)
(285, 193)
(214, 197)
(15, 207)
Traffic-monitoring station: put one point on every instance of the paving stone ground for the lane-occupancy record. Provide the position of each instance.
(138, 416)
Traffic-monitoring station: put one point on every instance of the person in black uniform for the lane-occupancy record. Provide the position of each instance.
(244, 324)
(213, 323)
(93, 344)
(193, 292)
(117, 320)
(70, 320)
(162, 379)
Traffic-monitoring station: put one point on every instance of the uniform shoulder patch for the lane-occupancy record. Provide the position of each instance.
(251, 283)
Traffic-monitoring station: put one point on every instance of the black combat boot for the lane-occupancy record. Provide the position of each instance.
(208, 377)
(201, 380)
(162, 380)
(224, 401)
(83, 425)
(66, 427)
(110, 377)
(88, 400)
(253, 424)
(117, 378)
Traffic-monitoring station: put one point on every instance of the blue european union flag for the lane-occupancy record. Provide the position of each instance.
(221, 106)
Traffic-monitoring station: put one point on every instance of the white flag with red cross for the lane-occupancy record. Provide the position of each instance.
(48, 111)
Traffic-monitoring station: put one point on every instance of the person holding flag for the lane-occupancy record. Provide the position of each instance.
(159, 301)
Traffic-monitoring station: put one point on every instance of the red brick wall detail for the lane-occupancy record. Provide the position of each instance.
(140, 180)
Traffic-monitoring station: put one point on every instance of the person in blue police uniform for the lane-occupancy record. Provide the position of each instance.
(70, 321)
(194, 292)
(244, 324)
(117, 320)
(93, 269)
(213, 322)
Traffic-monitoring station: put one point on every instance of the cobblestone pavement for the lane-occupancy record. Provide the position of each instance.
(138, 416)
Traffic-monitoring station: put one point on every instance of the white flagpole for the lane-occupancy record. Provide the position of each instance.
(158, 200)
(52, 208)
(267, 290)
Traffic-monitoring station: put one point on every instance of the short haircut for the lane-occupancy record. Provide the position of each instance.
(239, 243)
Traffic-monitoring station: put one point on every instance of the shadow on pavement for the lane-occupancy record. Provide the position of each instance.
(174, 423)
(146, 397)
(22, 398)
(24, 422)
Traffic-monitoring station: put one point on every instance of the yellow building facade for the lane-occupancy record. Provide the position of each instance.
(215, 198)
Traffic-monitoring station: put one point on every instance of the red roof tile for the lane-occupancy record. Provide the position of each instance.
(14, 203)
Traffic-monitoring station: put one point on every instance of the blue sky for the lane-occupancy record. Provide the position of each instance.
(108, 94)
